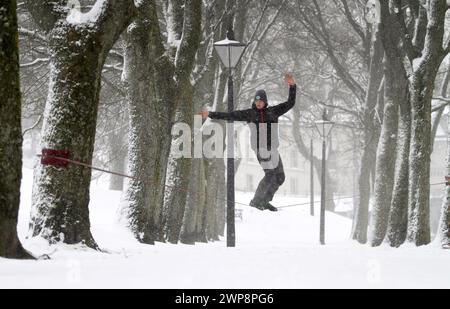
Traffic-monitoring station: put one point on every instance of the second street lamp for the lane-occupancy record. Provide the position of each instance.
(312, 127)
(230, 52)
(324, 127)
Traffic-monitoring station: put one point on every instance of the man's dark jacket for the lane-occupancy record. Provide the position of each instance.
(267, 116)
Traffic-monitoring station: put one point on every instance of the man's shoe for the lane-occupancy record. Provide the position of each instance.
(259, 206)
(271, 207)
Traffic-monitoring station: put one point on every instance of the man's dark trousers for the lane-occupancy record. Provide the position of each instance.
(274, 177)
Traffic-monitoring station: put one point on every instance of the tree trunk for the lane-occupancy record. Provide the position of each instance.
(422, 86)
(398, 217)
(180, 168)
(385, 162)
(10, 134)
(395, 96)
(200, 218)
(61, 195)
(214, 217)
(150, 123)
(195, 205)
(213, 201)
(440, 112)
(444, 226)
(361, 213)
(178, 179)
(217, 176)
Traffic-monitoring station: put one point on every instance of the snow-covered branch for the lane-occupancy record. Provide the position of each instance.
(75, 16)
(34, 62)
(33, 34)
(444, 103)
(116, 67)
(33, 126)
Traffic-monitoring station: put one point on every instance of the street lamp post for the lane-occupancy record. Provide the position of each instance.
(324, 127)
(230, 52)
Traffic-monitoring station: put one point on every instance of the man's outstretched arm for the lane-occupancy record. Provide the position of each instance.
(235, 115)
(283, 108)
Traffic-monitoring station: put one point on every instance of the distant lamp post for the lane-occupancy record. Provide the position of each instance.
(230, 52)
(324, 127)
(311, 172)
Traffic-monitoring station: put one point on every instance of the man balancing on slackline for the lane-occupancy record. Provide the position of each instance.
(264, 140)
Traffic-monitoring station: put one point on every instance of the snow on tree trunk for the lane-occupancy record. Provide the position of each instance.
(398, 217)
(422, 86)
(395, 95)
(10, 133)
(444, 225)
(178, 178)
(215, 215)
(361, 213)
(79, 44)
(212, 219)
(149, 137)
(385, 162)
(385, 168)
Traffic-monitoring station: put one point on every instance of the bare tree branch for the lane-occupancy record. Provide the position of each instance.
(352, 21)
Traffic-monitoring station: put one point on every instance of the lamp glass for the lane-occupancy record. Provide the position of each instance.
(324, 127)
(230, 52)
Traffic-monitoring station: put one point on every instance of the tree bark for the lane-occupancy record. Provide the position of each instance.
(195, 205)
(199, 207)
(444, 226)
(395, 95)
(368, 158)
(10, 134)
(180, 168)
(398, 217)
(422, 86)
(147, 75)
(61, 195)
(178, 179)
(385, 168)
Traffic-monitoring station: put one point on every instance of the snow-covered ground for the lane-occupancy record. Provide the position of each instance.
(274, 250)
